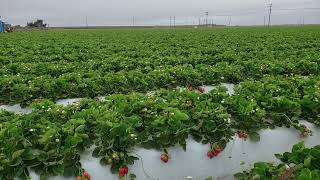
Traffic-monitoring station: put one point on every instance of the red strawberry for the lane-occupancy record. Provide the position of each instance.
(215, 153)
(86, 175)
(164, 158)
(242, 135)
(210, 154)
(218, 150)
(122, 172)
(126, 169)
(200, 89)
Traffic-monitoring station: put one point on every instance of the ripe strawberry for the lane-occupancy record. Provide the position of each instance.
(200, 89)
(215, 153)
(123, 171)
(126, 169)
(210, 154)
(164, 158)
(86, 175)
(242, 135)
(218, 150)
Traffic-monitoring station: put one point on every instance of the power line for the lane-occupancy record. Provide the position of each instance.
(294, 9)
(207, 13)
(255, 11)
(270, 11)
(87, 21)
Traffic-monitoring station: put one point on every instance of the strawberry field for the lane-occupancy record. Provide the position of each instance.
(148, 89)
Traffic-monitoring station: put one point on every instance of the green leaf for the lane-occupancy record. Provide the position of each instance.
(298, 147)
(58, 169)
(72, 141)
(29, 155)
(305, 174)
(44, 177)
(254, 136)
(80, 129)
(307, 162)
(315, 151)
(239, 175)
(16, 162)
(17, 154)
(315, 174)
(132, 176)
(278, 156)
(209, 178)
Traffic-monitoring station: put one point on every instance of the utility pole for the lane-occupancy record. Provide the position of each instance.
(270, 11)
(207, 13)
(87, 21)
(170, 21)
(199, 21)
(174, 21)
(229, 20)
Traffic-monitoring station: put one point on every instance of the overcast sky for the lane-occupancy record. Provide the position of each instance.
(157, 12)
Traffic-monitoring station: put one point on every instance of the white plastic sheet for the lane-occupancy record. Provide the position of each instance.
(194, 162)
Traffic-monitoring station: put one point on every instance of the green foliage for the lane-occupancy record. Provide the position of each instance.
(276, 72)
(301, 163)
(51, 138)
(76, 63)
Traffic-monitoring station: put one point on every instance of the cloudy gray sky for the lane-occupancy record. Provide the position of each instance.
(158, 12)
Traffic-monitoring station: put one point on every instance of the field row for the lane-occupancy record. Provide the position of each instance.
(19, 89)
(87, 63)
(51, 138)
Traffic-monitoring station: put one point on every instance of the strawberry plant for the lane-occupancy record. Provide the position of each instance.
(275, 72)
(301, 163)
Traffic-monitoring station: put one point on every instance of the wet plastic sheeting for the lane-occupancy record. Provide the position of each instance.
(194, 161)
(229, 86)
(68, 101)
(196, 164)
(16, 108)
